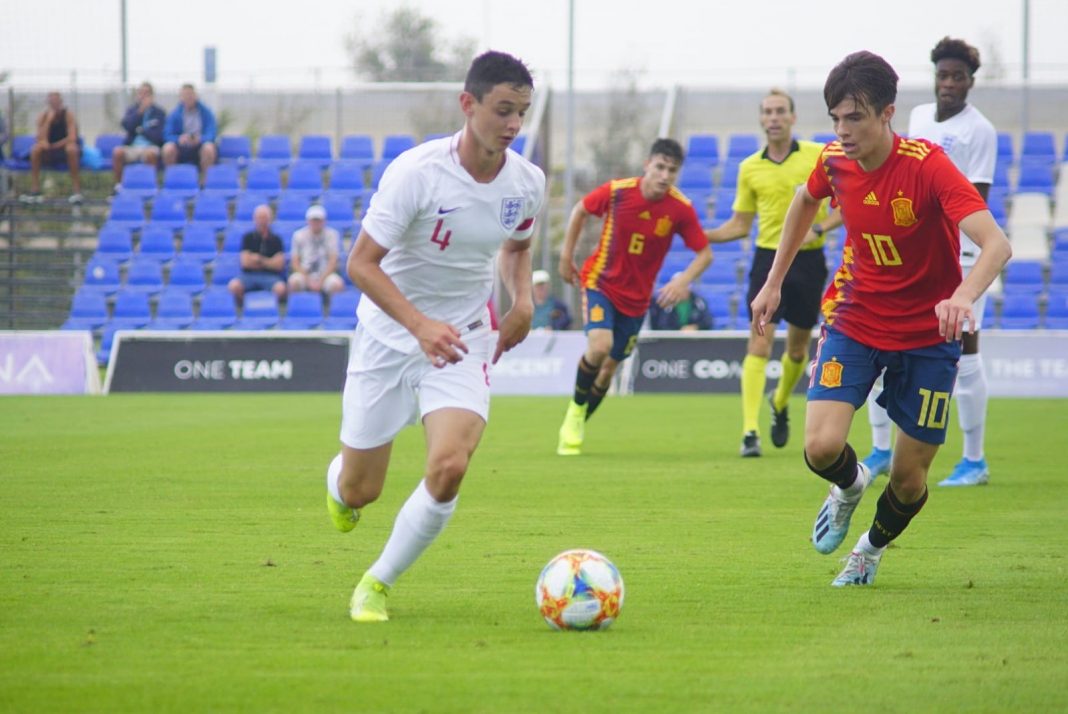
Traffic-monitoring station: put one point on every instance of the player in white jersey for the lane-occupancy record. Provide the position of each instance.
(424, 260)
(972, 144)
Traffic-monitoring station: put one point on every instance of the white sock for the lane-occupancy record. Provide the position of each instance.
(419, 522)
(864, 546)
(333, 473)
(879, 420)
(856, 489)
(971, 404)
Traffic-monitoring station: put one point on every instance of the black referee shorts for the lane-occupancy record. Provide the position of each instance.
(802, 290)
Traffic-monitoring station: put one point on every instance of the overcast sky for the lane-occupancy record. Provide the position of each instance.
(276, 43)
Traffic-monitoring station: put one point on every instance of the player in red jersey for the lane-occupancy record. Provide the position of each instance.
(641, 217)
(897, 302)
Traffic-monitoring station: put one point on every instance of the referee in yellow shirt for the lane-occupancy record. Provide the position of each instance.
(767, 181)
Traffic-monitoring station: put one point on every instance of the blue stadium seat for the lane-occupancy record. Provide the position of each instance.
(518, 144)
(235, 149)
(211, 211)
(359, 149)
(246, 204)
(1023, 276)
(222, 180)
(695, 176)
(233, 237)
(1019, 312)
(719, 306)
(157, 243)
(138, 180)
(724, 201)
(377, 170)
(704, 148)
(729, 175)
(114, 244)
(396, 144)
(285, 231)
(131, 309)
(199, 243)
(181, 180)
(346, 177)
(1006, 148)
(1001, 175)
(741, 145)
(21, 145)
(1057, 310)
(291, 207)
(339, 211)
(824, 137)
(365, 201)
(341, 315)
(304, 311)
(260, 311)
(88, 311)
(217, 310)
(168, 210)
(1035, 177)
(174, 311)
(1039, 147)
(721, 277)
(1058, 273)
(996, 200)
(101, 276)
(263, 178)
(227, 267)
(305, 179)
(186, 274)
(274, 150)
(145, 276)
(316, 149)
(105, 144)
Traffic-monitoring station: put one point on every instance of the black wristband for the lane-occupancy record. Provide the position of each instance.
(818, 230)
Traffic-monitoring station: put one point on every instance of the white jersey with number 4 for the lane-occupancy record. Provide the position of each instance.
(970, 141)
(443, 230)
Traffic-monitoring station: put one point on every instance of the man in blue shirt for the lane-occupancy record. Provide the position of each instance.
(190, 132)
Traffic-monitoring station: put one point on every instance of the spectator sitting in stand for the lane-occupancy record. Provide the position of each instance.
(313, 258)
(690, 313)
(57, 142)
(190, 132)
(549, 312)
(143, 122)
(263, 259)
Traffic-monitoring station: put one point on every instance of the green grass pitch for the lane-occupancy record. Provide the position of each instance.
(173, 554)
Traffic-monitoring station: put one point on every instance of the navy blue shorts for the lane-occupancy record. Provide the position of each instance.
(601, 314)
(916, 387)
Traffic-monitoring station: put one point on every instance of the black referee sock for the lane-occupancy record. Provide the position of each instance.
(843, 472)
(596, 395)
(584, 380)
(891, 517)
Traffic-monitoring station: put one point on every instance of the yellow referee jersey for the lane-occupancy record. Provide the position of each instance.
(766, 188)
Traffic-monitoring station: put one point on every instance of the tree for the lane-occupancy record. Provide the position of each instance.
(405, 46)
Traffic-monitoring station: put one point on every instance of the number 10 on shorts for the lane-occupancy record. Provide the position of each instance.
(934, 410)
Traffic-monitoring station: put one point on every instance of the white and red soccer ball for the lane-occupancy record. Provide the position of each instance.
(579, 590)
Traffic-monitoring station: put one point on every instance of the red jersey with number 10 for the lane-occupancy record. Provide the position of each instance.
(636, 236)
(901, 253)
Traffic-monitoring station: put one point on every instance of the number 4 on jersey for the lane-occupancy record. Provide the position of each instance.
(441, 240)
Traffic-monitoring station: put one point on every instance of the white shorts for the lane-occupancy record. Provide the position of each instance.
(979, 306)
(386, 390)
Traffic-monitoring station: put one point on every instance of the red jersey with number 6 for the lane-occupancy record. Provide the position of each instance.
(636, 236)
(901, 253)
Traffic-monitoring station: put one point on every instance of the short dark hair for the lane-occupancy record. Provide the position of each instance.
(188, 85)
(492, 68)
(949, 48)
(669, 148)
(776, 92)
(865, 77)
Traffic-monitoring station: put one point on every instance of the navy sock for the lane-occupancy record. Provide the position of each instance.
(843, 472)
(891, 517)
(584, 380)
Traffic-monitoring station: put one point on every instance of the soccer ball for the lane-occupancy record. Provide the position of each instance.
(579, 590)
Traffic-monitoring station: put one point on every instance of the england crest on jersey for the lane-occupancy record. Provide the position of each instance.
(510, 212)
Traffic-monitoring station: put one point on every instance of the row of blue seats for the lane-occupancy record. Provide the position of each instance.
(214, 311)
(1031, 177)
(1037, 146)
(272, 148)
(173, 211)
